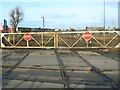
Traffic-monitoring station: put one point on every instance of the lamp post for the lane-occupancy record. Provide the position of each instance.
(104, 14)
(104, 22)
(43, 22)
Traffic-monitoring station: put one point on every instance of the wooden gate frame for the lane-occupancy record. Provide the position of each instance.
(56, 37)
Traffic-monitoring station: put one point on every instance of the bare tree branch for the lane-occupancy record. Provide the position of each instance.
(16, 16)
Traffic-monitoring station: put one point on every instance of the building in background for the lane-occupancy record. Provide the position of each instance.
(95, 28)
(8, 29)
(29, 29)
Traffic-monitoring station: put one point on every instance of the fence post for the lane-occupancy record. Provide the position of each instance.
(55, 39)
(13, 39)
(42, 38)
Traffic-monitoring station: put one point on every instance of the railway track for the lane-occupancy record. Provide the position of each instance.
(5, 56)
(113, 84)
(65, 74)
(63, 70)
(19, 60)
(106, 79)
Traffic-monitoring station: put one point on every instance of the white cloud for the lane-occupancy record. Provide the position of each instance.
(70, 14)
(58, 0)
(1, 20)
(74, 14)
(67, 13)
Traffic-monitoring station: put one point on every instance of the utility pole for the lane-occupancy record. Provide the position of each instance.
(104, 14)
(104, 22)
(43, 22)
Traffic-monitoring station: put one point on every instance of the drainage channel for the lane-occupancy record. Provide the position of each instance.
(113, 84)
(63, 71)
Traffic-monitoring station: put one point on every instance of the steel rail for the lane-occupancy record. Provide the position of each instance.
(84, 82)
(5, 56)
(63, 70)
(113, 84)
(11, 69)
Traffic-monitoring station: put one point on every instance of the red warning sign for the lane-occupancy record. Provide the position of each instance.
(87, 35)
(27, 36)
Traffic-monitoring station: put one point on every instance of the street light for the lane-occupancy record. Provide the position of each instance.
(104, 14)
(104, 22)
(43, 22)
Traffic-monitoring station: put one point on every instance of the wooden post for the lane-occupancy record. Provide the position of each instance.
(13, 39)
(87, 43)
(42, 38)
(55, 40)
(27, 43)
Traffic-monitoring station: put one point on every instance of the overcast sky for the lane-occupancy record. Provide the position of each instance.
(62, 13)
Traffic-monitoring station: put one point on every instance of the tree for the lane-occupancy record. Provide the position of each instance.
(16, 16)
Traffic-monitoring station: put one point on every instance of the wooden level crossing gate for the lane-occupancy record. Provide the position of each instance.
(98, 39)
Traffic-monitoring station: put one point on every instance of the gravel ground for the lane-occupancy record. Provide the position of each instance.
(110, 53)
